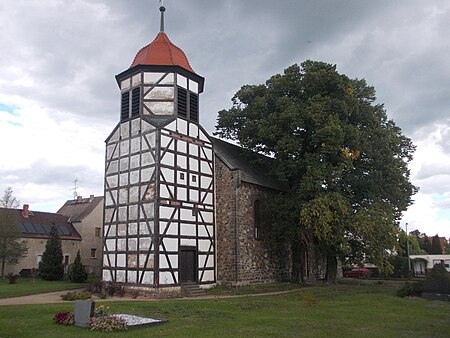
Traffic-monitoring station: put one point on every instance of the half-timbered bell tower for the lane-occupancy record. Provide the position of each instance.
(159, 180)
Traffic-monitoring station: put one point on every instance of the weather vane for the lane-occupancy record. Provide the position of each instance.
(162, 10)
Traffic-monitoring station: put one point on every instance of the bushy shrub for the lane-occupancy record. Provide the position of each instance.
(64, 318)
(438, 280)
(107, 323)
(105, 289)
(411, 290)
(12, 277)
(77, 273)
(74, 295)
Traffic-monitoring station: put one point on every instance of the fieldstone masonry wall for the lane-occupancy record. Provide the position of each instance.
(241, 258)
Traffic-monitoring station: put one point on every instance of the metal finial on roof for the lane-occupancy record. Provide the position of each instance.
(162, 9)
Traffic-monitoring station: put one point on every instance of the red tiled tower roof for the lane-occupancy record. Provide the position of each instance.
(161, 51)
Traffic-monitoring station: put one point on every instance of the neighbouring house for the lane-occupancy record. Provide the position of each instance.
(181, 206)
(86, 215)
(35, 227)
(422, 263)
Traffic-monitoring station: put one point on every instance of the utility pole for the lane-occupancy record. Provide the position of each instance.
(407, 249)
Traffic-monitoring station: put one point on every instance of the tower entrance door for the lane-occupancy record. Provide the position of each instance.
(187, 265)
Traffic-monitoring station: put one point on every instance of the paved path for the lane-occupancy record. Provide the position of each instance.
(55, 297)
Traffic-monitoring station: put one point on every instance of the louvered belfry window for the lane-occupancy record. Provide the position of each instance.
(135, 100)
(193, 107)
(125, 106)
(182, 102)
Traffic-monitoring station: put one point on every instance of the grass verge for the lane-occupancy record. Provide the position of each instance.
(370, 310)
(31, 286)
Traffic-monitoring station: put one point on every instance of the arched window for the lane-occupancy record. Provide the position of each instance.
(257, 218)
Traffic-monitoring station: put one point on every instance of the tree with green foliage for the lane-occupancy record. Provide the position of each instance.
(345, 162)
(414, 246)
(11, 248)
(436, 246)
(77, 273)
(51, 267)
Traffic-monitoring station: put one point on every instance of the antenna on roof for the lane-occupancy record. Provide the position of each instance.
(162, 9)
(75, 194)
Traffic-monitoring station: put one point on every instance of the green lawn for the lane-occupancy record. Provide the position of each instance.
(369, 310)
(31, 286)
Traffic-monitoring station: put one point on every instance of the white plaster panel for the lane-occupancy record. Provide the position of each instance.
(168, 159)
(193, 86)
(109, 212)
(122, 214)
(135, 145)
(172, 126)
(121, 260)
(208, 198)
(136, 79)
(123, 195)
(111, 231)
(109, 151)
(149, 210)
(173, 229)
(145, 243)
(124, 164)
(161, 93)
(187, 242)
(120, 276)
(202, 231)
(131, 276)
(146, 127)
(121, 244)
(165, 212)
(151, 138)
(171, 244)
(111, 198)
(107, 276)
(182, 81)
(203, 136)
(132, 229)
(146, 174)
(125, 84)
(160, 108)
(142, 259)
(188, 229)
(134, 177)
(207, 216)
(208, 276)
(202, 260)
(193, 164)
(205, 181)
(125, 130)
(193, 149)
(181, 146)
(203, 245)
(168, 79)
(150, 78)
(135, 126)
(193, 130)
(173, 261)
(205, 168)
(194, 180)
(182, 177)
(164, 192)
(208, 153)
(182, 126)
(133, 212)
(115, 136)
(163, 264)
(165, 140)
(134, 194)
(123, 179)
(168, 175)
(113, 167)
(165, 277)
(181, 194)
(111, 244)
(143, 228)
(112, 181)
(132, 244)
(148, 277)
(193, 195)
(182, 162)
(147, 159)
(186, 215)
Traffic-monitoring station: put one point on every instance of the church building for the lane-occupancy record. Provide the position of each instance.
(180, 205)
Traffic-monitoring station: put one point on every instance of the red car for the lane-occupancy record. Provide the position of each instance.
(357, 273)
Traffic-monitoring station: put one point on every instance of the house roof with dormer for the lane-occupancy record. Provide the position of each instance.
(79, 208)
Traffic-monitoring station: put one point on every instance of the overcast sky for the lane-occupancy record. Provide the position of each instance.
(59, 99)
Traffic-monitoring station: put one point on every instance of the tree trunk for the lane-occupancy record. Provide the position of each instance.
(297, 275)
(330, 276)
(3, 267)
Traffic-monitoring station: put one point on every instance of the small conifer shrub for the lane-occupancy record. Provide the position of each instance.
(77, 273)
